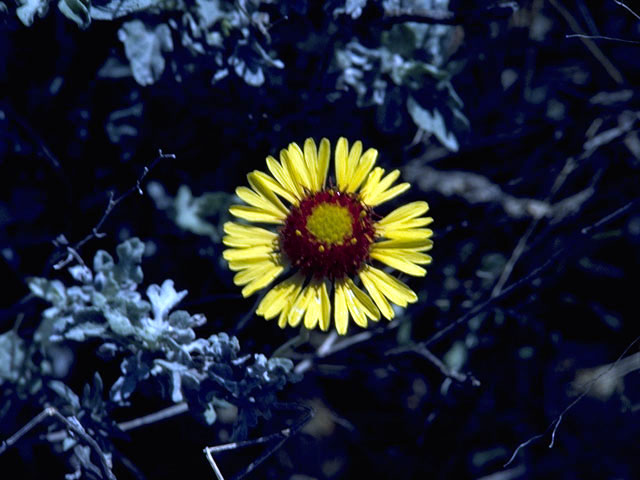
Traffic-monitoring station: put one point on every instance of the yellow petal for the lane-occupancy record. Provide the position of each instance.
(323, 162)
(315, 307)
(258, 201)
(391, 287)
(341, 158)
(409, 255)
(280, 296)
(284, 314)
(300, 306)
(250, 252)
(352, 161)
(268, 187)
(419, 245)
(259, 283)
(387, 195)
(253, 214)
(404, 213)
(373, 179)
(311, 160)
(246, 236)
(248, 275)
(325, 308)
(379, 299)
(293, 161)
(366, 163)
(376, 189)
(359, 304)
(399, 263)
(282, 175)
(340, 308)
(421, 234)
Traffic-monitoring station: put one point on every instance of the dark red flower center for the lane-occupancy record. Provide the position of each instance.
(328, 234)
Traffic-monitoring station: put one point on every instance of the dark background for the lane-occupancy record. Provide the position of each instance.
(530, 95)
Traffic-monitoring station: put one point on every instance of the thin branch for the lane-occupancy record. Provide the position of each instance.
(78, 430)
(446, 371)
(601, 37)
(612, 216)
(72, 251)
(128, 425)
(569, 166)
(330, 346)
(482, 306)
(623, 5)
(553, 427)
(282, 436)
(514, 286)
(165, 413)
(591, 46)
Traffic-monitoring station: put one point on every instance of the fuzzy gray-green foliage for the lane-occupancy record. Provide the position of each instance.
(406, 73)
(156, 339)
(408, 69)
(149, 336)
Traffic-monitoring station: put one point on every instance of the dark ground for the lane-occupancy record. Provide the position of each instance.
(532, 97)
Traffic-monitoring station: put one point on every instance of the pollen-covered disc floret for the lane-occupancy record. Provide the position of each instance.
(328, 235)
(329, 239)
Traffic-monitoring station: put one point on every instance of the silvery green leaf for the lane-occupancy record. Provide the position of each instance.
(210, 414)
(118, 322)
(118, 8)
(76, 10)
(432, 122)
(456, 357)
(180, 319)
(65, 393)
(189, 212)
(351, 7)
(68, 443)
(103, 262)
(176, 370)
(164, 298)
(253, 74)
(28, 9)
(134, 369)
(129, 257)
(123, 123)
(86, 330)
(12, 356)
(108, 351)
(81, 273)
(209, 12)
(51, 291)
(143, 47)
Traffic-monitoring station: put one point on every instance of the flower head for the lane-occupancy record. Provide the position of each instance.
(329, 237)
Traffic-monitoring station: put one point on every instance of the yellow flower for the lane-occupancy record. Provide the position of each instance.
(328, 236)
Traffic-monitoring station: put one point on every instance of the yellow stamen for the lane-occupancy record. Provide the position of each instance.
(330, 223)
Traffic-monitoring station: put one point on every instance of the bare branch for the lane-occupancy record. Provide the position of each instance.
(72, 251)
(601, 37)
(446, 371)
(154, 417)
(553, 427)
(482, 307)
(623, 5)
(282, 436)
(75, 427)
(613, 72)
